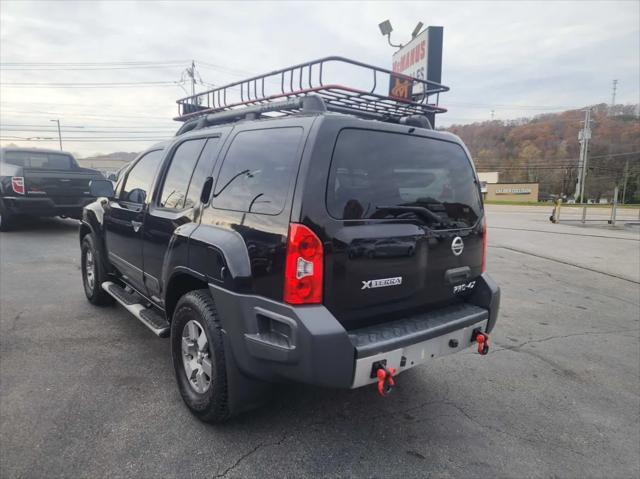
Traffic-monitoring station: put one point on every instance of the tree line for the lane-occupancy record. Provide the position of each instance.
(545, 149)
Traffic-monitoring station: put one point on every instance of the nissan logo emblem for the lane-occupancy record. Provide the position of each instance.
(457, 245)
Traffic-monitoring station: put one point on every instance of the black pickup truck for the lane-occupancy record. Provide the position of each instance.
(41, 182)
(321, 247)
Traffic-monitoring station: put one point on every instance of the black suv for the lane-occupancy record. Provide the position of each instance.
(318, 247)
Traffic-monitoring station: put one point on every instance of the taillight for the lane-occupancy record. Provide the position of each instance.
(303, 268)
(484, 244)
(17, 183)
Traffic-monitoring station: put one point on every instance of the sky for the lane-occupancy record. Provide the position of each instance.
(111, 71)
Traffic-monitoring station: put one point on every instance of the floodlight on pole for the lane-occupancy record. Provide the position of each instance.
(416, 30)
(386, 29)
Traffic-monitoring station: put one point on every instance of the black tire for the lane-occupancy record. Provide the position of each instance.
(211, 405)
(6, 220)
(94, 292)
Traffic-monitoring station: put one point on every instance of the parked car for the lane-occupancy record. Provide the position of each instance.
(246, 240)
(42, 182)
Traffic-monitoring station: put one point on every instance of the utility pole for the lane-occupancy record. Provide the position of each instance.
(59, 133)
(191, 73)
(624, 183)
(614, 87)
(584, 136)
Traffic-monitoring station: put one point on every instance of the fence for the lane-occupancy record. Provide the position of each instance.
(583, 213)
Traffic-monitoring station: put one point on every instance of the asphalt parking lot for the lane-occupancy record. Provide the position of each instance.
(89, 392)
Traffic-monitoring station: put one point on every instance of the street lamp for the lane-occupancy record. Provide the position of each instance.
(59, 133)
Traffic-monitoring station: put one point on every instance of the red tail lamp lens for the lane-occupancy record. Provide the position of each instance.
(17, 183)
(303, 268)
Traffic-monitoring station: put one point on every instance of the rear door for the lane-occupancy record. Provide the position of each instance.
(404, 224)
(175, 205)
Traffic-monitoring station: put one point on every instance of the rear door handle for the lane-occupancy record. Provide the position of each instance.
(136, 225)
(457, 275)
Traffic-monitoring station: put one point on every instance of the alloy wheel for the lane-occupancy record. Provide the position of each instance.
(195, 356)
(89, 269)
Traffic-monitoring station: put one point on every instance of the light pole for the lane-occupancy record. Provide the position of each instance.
(59, 133)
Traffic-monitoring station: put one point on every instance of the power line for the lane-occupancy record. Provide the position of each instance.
(105, 68)
(83, 115)
(63, 130)
(130, 62)
(15, 125)
(85, 140)
(87, 85)
(96, 137)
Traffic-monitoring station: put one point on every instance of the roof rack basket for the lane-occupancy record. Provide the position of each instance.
(380, 93)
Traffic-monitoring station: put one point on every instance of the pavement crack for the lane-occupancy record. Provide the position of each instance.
(14, 321)
(502, 431)
(562, 336)
(250, 453)
(549, 258)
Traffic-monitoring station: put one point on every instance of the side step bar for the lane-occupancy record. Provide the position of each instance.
(148, 316)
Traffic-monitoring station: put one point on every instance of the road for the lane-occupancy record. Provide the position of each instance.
(89, 392)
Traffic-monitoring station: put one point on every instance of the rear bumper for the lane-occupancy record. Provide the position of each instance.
(69, 206)
(273, 341)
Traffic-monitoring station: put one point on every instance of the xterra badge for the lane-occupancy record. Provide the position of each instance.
(382, 283)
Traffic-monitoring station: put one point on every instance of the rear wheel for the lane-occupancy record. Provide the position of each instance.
(199, 358)
(93, 273)
(5, 219)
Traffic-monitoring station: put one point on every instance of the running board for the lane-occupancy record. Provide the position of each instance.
(148, 316)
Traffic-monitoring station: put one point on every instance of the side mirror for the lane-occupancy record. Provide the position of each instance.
(101, 188)
(206, 190)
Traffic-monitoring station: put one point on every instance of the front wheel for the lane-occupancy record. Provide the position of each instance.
(93, 274)
(198, 355)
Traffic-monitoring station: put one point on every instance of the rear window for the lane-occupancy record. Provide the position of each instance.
(374, 171)
(258, 171)
(38, 160)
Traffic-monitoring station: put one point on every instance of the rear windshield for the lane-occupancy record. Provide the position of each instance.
(39, 160)
(385, 175)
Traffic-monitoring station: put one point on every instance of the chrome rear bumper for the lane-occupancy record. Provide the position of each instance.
(412, 355)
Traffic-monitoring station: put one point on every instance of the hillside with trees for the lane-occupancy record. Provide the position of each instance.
(545, 149)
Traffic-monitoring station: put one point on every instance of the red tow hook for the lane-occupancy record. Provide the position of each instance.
(385, 380)
(483, 343)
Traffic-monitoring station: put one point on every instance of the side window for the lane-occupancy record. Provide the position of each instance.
(176, 182)
(203, 169)
(138, 181)
(258, 170)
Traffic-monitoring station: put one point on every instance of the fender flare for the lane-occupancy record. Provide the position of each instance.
(90, 224)
(229, 245)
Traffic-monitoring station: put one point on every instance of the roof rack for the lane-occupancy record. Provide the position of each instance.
(380, 94)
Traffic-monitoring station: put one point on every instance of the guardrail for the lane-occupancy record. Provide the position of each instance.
(584, 213)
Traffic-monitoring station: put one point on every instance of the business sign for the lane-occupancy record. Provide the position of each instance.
(400, 87)
(513, 191)
(420, 58)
